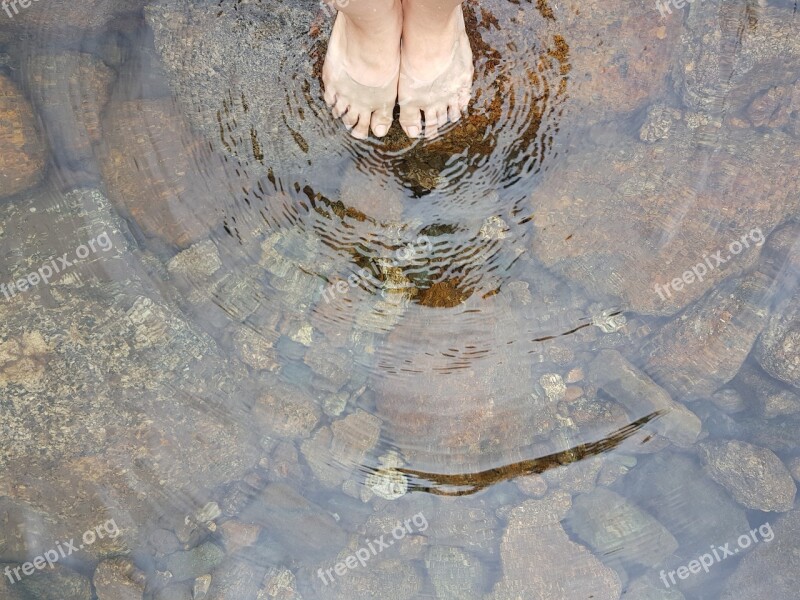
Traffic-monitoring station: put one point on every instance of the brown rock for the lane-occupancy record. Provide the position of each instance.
(285, 411)
(149, 160)
(703, 348)
(118, 579)
(22, 151)
(69, 90)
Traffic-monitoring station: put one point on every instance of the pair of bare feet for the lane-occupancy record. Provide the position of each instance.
(415, 52)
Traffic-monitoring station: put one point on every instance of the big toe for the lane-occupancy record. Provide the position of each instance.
(411, 121)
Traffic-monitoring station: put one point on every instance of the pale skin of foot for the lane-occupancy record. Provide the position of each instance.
(412, 51)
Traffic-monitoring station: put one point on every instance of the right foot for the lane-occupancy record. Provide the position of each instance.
(361, 72)
(436, 72)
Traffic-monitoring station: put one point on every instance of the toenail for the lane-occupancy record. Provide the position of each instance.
(381, 130)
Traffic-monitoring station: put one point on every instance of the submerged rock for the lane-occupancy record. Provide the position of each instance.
(614, 527)
(640, 395)
(732, 51)
(778, 349)
(777, 560)
(454, 573)
(540, 562)
(70, 90)
(702, 349)
(118, 579)
(754, 476)
(696, 511)
(149, 160)
(22, 150)
(649, 195)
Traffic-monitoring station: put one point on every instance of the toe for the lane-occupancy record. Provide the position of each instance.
(411, 121)
(463, 100)
(381, 122)
(330, 97)
(441, 116)
(351, 118)
(454, 111)
(431, 123)
(340, 108)
(361, 130)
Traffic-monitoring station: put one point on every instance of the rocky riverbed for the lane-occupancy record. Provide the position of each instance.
(570, 370)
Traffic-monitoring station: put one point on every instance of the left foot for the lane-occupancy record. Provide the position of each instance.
(435, 73)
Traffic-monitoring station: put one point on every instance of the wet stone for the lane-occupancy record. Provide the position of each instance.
(331, 366)
(70, 90)
(771, 398)
(148, 160)
(298, 527)
(386, 579)
(729, 400)
(715, 517)
(454, 573)
(774, 563)
(704, 347)
(118, 579)
(257, 348)
(279, 584)
(640, 395)
(236, 578)
(193, 563)
(201, 586)
(59, 583)
(778, 349)
(175, 591)
(540, 562)
(616, 528)
(22, 151)
(754, 476)
(237, 535)
(286, 411)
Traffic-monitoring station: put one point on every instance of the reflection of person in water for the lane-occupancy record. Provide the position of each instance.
(412, 51)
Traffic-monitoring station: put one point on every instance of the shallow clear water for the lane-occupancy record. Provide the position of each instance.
(557, 345)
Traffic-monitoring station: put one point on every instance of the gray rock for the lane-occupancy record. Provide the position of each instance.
(680, 495)
(235, 579)
(59, 583)
(777, 560)
(176, 591)
(640, 395)
(646, 589)
(279, 584)
(773, 400)
(778, 349)
(540, 562)
(711, 78)
(454, 573)
(193, 563)
(729, 400)
(754, 476)
(614, 527)
(300, 528)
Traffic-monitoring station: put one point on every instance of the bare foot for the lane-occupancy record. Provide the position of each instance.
(361, 71)
(436, 71)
